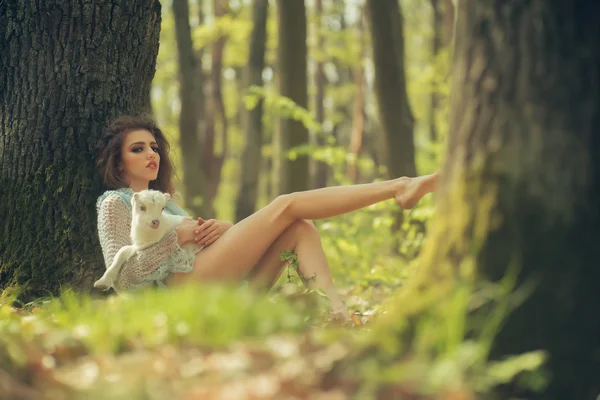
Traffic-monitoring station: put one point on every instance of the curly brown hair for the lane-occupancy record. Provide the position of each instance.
(109, 152)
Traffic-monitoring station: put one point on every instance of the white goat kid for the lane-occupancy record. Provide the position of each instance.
(148, 225)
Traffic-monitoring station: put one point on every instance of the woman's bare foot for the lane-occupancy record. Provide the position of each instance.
(411, 190)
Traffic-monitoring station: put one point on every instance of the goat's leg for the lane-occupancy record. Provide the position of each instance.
(109, 278)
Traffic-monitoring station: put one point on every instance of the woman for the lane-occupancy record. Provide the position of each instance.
(133, 156)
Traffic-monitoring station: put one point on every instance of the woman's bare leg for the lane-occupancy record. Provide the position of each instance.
(235, 254)
(303, 238)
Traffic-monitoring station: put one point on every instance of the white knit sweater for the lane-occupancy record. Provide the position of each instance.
(148, 266)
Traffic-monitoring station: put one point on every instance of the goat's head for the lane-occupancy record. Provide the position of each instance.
(147, 207)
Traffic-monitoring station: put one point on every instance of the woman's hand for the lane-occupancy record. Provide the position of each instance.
(185, 231)
(210, 230)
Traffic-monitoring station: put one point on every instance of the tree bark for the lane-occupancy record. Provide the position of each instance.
(147, 105)
(345, 77)
(199, 95)
(277, 172)
(216, 119)
(436, 45)
(320, 168)
(251, 160)
(386, 26)
(190, 94)
(522, 177)
(358, 116)
(67, 68)
(448, 24)
(292, 53)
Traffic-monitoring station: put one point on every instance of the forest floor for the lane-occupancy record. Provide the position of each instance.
(51, 354)
(282, 346)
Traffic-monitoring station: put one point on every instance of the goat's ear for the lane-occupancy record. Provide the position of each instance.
(135, 198)
(167, 196)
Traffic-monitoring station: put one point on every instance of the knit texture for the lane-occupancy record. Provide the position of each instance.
(146, 267)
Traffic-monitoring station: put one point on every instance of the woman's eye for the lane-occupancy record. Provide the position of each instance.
(137, 150)
(155, 149)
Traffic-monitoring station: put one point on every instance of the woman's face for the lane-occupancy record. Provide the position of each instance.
(139, 159)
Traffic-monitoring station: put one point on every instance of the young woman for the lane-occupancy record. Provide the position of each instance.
(134, 155)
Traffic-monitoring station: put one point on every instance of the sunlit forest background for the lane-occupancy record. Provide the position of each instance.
(344, 140)
(341, 117)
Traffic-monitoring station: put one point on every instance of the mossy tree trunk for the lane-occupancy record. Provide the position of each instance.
(251, 160)
(67, 68)
(293, 83)
(521, 186)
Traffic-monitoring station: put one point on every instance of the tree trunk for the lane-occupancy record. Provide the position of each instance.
(345, 76)
(523, 177)
(448, 24)
(386, 26)
(436, 45)
(277, 173)
(147, 105)
(217, 119)
(320, 168)
(200, 96)
(248, 194)
(358, 116)
(67, 68)
(292, 52)
(194, 178)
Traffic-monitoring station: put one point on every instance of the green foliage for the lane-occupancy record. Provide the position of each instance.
(437, 341)
(65, 339)
(201, 315)
(282, 106)
(291, 260)
(236, 29)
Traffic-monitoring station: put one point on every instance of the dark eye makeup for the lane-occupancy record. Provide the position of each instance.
(139, 149)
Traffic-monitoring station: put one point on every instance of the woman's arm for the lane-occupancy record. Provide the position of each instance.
(151, 264)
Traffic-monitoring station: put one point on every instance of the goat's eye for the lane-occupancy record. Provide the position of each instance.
(143, 208)
(163, 209)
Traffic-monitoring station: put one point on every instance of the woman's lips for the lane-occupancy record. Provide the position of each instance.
(152, 165)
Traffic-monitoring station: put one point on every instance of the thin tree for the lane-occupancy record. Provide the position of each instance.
(442, 21)
(358, 115)
(293, 82)
(192, 101)
(66, 69)
(436, 46)
(216, 123)
(251, 160)
(395, 116)
(319, 168)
